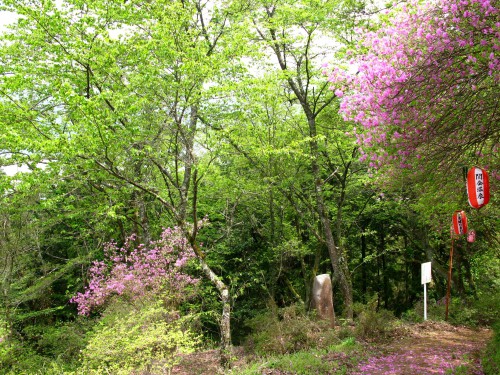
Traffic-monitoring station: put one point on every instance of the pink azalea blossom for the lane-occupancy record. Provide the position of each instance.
(136, 271)
(416, 71)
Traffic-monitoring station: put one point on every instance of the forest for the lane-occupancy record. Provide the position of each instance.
(175, 173)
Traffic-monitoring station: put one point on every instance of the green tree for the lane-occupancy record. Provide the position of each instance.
(292, 34)
(119, 87)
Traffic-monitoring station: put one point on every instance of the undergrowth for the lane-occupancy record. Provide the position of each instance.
(491, 359)
(473, 311)
(372, 323)
(330, 360)
(288, 330)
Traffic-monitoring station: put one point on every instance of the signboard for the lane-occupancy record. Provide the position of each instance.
(426, 273)
(426, 278)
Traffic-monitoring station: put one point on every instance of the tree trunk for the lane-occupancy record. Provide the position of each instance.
(407, 271)
(300, 86)
(363, 265)
(225, 323)
(385, 281)
(339, 263)
(226, 350)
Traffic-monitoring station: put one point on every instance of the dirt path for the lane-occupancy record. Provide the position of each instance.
(430, 348)
(426, 348)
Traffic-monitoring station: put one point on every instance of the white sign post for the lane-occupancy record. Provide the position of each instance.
(426, 278)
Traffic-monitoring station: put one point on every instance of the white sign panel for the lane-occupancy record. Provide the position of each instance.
(426, 273)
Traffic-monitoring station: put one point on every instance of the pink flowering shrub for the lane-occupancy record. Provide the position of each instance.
(134, 272)
(428, 83)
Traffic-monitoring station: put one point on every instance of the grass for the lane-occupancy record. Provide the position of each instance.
(302, 363)
(332, 360)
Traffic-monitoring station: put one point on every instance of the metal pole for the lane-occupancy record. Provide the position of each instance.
(448, 288)
(425, 301)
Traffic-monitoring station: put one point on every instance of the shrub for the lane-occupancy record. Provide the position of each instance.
(491, 359)
(140, 337)
(135, 272)
(461, 313)
(372, 323)
(18, 357)
(482, 310)
(486, 306)
(62, 341)
(413, 315)
(288, 330)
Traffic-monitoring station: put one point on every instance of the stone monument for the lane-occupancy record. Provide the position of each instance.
(322, 298)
